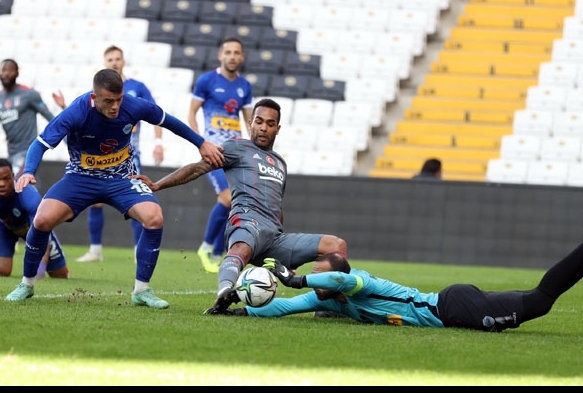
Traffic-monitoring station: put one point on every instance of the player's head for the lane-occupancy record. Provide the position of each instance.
(231, 54)
(113, 58)
(8, 73)
(6, 179)
(264, 124)
(432, 166)
(107, 92)
(332, 262)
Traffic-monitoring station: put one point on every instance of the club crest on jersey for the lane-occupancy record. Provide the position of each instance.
(128, 128)
(108, 146)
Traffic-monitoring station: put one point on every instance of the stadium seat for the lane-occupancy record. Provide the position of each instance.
(294, 158)
(560, 148)
(340, 66)
(91, 28)
(5, 8)
(267, 61)
(575, 174)
(278, 39)
(533, 121)
(357, 116)
(524, 147)
(74, 51)
(17, 26)
(170, 32)
(180, 11)
(204, 34)
(8, 47)
(311, 111)
(248, 34)
(344, 139)
(385, 66)
(190, 56)
(178, 80)
(70, 8)
(502, 170)
(546, 97)
(555, 73)
(59, 74)
(355, 41)
(314, 40)
(37, 51)
(333, 17)
(31, 7)
(293, 17)
(155, 54)
(150, 10)
(301, 64)
(253, 15)
(573, 27)
(372, 18)
(131, 29)
(217, 12)
(143, 73)
(297, 137)
(568, 123)
(53, 27)
(567, 50)
(111, 9)
(289, 86)
(574, 99)
(553, 173)
(211, 62)
(329, 163)
(325, 89)
(259, 82)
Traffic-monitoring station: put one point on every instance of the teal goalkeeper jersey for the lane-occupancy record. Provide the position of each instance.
(369, 300)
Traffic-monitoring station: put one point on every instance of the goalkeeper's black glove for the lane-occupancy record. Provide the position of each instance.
(285, 276)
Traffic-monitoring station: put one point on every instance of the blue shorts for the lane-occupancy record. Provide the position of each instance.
(269, 241)
(81, 191)
(218, 180)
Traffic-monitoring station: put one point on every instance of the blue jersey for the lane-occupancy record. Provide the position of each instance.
(222, 101)
(138, 89)
(369, 299)
(99, 146)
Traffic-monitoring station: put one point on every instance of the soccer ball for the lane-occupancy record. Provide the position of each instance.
(256, 286)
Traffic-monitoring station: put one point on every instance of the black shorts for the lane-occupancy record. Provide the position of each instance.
(466, 306)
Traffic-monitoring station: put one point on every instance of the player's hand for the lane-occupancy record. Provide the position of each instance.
(24, 180)
(158, 154)
(286, 276)
(211, 153)
(145, 179)
(59, 98)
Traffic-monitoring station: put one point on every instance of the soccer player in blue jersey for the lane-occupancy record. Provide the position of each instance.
(98, 126)
(113, 58)
(363, 297)
(257, 177)
(222, 94)
(17, 211)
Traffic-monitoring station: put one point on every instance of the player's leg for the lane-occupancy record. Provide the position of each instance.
(137, 232)
(57, 264)
(138, 202)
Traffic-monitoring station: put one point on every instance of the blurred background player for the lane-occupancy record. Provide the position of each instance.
(17, 211)
(431, 170)
(113, 58)
(19, 105)
(221, 93)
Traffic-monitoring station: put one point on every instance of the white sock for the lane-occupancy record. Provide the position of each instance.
(29, 281)
(206, 246)
(140, 286)
(96, 249)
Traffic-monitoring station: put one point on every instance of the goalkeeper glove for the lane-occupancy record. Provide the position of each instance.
(285, 276)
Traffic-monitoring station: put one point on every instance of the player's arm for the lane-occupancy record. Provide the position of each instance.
(333, 280)
(280, 307)
(34, 155)
(182, 175)
(195, 105)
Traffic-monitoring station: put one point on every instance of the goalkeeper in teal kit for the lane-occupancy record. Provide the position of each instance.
(363, 297)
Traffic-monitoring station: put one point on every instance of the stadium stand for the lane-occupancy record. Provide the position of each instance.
(484, 82)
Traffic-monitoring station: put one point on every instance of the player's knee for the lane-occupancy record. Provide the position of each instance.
(331, 243)
(6, 269)
(62, 272)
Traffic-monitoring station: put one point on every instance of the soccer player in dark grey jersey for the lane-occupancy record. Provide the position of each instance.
(19, 105)
(257, 178)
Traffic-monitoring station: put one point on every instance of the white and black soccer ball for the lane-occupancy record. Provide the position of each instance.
(256, 286)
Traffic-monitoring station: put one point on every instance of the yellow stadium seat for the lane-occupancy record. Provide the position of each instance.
(445, 103)
(451, 127)
(492, 57)
(445, 140)
(505, 47)
(479, 81)
(554, 9)
(510, 22)
(479, 92)
(504, 35)
(512, 69)
(552, 3)
(460, 115)
(441, 152)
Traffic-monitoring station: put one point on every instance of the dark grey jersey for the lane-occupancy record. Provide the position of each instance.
(256, 178)
(18, 109)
